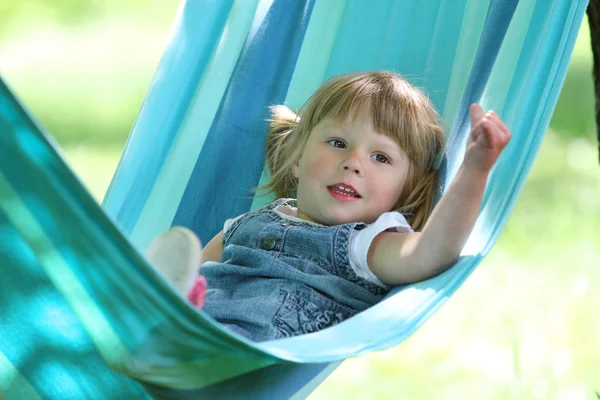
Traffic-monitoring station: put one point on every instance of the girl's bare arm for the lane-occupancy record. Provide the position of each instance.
(405, 258)
(214, 249)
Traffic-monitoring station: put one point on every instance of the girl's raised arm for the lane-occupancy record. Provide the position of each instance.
(406, 258)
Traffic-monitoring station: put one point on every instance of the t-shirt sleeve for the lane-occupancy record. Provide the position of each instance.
(361, 241)
(228, 223)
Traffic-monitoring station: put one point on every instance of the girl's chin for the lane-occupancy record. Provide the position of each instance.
(344, 218)
(334, 216)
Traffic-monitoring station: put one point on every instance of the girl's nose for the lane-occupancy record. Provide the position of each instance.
(352, 163)
(356, 170)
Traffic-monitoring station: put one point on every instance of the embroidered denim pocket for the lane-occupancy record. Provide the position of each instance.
(305, 312)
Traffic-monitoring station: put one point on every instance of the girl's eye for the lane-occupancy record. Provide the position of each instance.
(381, 158)
(337, 143)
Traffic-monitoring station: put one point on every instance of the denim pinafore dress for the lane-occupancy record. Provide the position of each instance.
(281, 276)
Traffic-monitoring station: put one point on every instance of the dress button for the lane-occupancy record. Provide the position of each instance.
(286, 223)
(269, 243)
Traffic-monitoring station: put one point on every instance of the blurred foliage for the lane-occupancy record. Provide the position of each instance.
(64, 9)
(11, 10)
(574, 114)
(85, 76)
(18, 15)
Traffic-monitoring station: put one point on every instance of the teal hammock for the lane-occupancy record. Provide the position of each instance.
(83, 314)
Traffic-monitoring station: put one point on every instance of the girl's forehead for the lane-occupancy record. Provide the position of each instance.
(362, 125)
(350, 122)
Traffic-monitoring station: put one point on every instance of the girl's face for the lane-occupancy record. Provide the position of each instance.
(349, 173)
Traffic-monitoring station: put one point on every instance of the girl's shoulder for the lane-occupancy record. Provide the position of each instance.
(390, 220)
(273, 205)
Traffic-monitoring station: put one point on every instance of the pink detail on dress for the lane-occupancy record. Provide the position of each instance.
(198, 292)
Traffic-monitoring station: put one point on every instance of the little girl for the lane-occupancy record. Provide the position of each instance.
(355, 176)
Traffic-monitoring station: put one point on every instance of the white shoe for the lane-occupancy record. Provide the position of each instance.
(176, 255)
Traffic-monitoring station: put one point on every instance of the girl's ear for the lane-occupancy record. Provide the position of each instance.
(296, 169)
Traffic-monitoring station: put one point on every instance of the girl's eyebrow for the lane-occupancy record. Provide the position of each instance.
(334, 132)
(388, 144)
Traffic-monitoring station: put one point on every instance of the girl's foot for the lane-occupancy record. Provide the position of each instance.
(198, 292)
(176, 255)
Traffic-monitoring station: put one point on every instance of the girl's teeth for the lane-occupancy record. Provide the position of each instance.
(346, 189)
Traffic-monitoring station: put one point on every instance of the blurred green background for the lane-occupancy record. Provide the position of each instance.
(525, 324)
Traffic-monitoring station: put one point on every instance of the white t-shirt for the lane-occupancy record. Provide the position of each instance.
(360, 241)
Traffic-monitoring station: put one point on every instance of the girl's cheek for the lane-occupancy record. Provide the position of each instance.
(319, 164)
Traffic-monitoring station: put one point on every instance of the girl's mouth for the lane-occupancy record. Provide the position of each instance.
(343, 193)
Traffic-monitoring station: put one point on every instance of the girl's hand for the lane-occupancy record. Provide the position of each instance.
(488, 137)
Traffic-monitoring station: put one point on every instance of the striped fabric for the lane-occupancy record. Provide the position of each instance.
(78, 297)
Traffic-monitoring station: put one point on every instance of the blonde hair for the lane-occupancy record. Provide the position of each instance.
(399, 111)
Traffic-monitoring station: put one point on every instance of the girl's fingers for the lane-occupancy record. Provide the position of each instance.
(496, 133)
(498, 121)
(476, 113)
(487, 136)
(488, 129)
